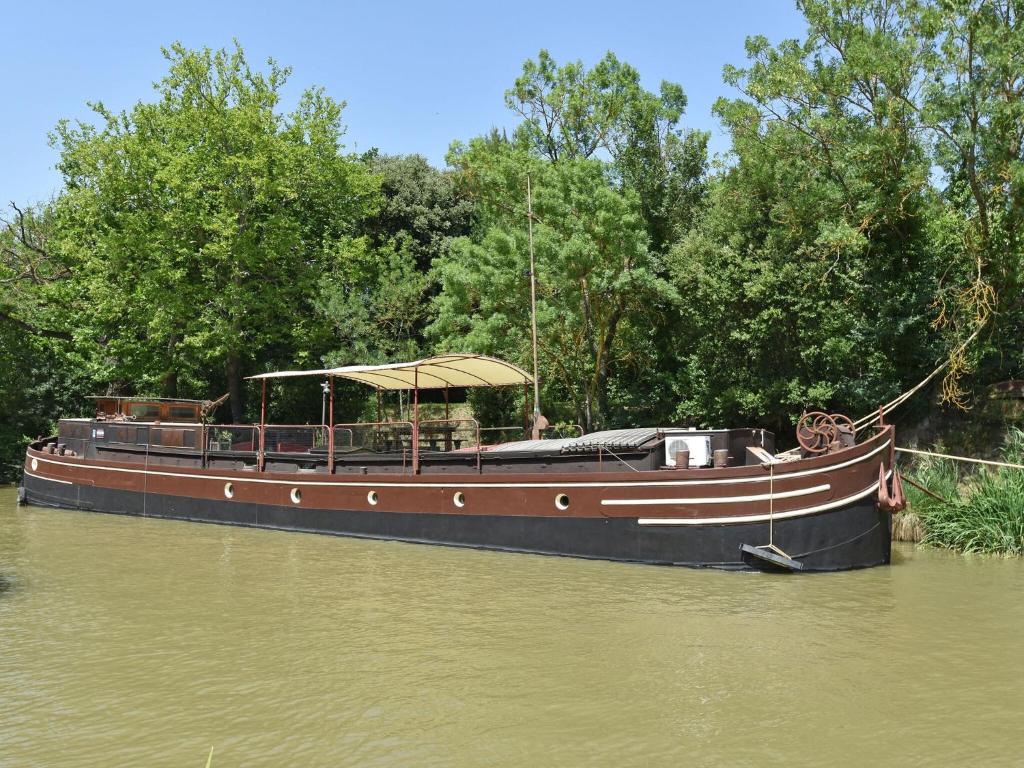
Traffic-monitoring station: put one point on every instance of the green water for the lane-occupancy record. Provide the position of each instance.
(138, 642)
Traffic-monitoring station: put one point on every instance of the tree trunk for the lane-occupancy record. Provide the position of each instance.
(602, 394)
(169, 386)
(234, 376)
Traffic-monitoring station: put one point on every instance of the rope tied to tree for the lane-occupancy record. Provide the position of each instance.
(967, 459)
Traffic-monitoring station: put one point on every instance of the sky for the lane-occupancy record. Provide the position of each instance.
(415, 76)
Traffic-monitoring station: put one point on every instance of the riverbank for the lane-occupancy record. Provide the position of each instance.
(967, 509)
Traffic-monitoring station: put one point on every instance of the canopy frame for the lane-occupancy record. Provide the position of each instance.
(439, 372)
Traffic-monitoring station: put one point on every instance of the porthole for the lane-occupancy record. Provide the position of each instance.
(229, 490)
(35, 464)
(372, 497)
(562, 501)
(296, 495)
(460, 499)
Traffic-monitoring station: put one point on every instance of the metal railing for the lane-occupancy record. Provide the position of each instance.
(294, 438)
(381, 437)
(232, 437)
(386, 438)
(440, 436)
(556, 431)
(499, 435)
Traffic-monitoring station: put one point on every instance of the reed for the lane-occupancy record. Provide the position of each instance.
(942, 478)
(985, 509)
(907, 526)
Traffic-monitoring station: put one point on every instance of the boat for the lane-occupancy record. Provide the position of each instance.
(713, 498)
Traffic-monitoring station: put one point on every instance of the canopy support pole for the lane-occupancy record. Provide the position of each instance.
(526, 407)
(416, 422)
(380, 415)
(330, 430)
(446, 402)
(261, 461)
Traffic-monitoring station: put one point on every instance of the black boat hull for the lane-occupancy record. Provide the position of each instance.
(855, 535)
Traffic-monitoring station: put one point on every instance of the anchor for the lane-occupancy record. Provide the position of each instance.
(893, 502)
(769, 557)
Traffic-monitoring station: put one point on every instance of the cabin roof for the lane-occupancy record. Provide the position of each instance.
(140, 398)
(440, 372)
(611, 439)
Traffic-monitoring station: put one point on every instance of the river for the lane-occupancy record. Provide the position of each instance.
(128, 641)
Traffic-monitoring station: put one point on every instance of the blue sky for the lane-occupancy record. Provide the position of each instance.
(416, 76)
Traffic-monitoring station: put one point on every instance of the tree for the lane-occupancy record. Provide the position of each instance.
(31, 273)
(421, 209)
(200, 224)
(973, 105)
(808, 280)
(571, 113)
(595, 273)
(616, 179)
(41, 375)
(377, 303)
(375, 307)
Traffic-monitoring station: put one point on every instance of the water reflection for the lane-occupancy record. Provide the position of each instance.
(144, 641)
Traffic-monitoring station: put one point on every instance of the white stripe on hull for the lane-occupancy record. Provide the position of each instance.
(758, 518)
(719, 500)
(49, 479)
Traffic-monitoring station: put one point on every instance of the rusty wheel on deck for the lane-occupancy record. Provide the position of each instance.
(816, 431)
(847, 431)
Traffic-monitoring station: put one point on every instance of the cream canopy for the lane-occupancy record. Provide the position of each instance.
(455, 370)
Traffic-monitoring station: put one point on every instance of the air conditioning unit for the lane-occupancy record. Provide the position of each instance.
(698, 445)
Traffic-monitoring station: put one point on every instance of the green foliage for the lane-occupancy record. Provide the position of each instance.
(42, 372)
(36, 384)
(374, 305)
(986, 511)
(422, 208)
(595, 273)
(808, 279)
(573, 113)
(199, 226)
(941, 477)
(973, 106)
(615, 180)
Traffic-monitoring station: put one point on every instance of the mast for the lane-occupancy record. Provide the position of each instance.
(533, 308)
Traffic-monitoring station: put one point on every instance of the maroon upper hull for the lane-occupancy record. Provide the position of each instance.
(646, 501)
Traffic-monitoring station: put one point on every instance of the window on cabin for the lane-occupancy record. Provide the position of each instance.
(183, 413)
(146, 411)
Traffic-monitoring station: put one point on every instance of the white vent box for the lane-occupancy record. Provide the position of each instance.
(698, 445)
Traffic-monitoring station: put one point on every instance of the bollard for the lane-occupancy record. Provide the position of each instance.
(721, 458)
(683, 459)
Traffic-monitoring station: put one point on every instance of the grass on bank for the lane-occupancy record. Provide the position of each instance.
(980, 511)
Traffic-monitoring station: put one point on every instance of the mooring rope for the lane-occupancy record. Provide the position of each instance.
(866, 421)
(603, 449)
(771, 514)
(850, 540)
(921, 488)
(961, 458)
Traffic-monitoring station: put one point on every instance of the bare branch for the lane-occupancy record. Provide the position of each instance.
(35, 330)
